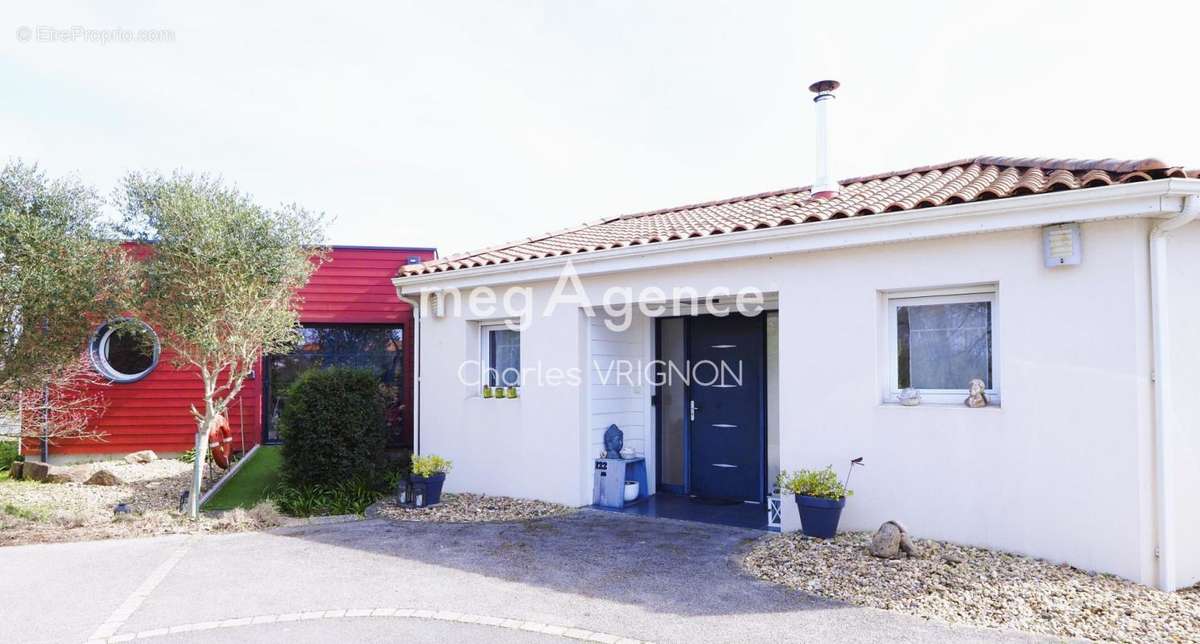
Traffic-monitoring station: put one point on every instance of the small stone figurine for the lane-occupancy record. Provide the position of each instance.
(614, 440)
(975, 396)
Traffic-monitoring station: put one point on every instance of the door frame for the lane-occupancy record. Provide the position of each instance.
(686, 488)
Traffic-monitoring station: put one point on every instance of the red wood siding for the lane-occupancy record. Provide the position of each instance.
(354, 287)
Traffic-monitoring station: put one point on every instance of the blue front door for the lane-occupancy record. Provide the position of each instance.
(726, 407)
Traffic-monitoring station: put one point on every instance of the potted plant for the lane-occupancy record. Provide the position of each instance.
(430, 472)
(820, 497)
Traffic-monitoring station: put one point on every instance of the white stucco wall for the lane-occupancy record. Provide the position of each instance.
(1183, 255)
(1062, 470)
(530, 447)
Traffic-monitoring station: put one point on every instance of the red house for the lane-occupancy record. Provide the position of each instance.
(350, 316)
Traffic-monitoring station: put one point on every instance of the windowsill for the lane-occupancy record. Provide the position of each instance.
(942, 405)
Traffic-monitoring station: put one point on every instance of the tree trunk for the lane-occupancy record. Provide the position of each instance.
(201, 453)
(46, 422)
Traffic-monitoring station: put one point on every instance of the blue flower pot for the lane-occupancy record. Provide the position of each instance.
(819, 517)
(433, 487)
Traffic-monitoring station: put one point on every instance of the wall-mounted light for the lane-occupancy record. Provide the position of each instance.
(1061, 245)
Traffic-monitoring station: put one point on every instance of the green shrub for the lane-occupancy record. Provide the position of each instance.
(8, 454)
(347, 497)
(334, 428)
(427, 466)
(823, 484)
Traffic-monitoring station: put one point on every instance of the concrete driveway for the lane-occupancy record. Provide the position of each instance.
(594, 576)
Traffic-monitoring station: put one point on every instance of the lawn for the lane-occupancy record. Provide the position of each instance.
(252, 483)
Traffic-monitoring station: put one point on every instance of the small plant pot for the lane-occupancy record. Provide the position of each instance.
(631, 491)
(432, 487)
(819, 517)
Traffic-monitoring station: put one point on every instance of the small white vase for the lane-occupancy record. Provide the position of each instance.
(631, 490)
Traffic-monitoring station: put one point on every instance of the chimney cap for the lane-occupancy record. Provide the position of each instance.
(823, 86)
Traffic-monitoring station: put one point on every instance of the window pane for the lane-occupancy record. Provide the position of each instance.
(944, 346)
(378, 349)
(129, 349)
(504, 358)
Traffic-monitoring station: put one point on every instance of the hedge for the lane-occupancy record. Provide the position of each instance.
(334, 427)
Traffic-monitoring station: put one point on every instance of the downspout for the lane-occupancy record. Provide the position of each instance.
(415, 304)
(1161, 379)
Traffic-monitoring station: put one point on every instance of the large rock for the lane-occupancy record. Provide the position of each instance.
(886, 542)
(891, 541)
(35, 471)
(144, 456)
(15, 470)
(104, 477)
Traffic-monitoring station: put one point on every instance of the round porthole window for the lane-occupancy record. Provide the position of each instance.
(124, 350)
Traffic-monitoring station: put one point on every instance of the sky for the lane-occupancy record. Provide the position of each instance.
(460, 125)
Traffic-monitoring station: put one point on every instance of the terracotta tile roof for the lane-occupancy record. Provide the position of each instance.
(967, 180)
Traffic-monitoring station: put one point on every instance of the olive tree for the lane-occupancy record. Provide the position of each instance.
(220, 281)
(60, 275)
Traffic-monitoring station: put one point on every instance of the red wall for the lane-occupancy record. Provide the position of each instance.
(354, 287)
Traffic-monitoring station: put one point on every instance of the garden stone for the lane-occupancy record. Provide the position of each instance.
(886, 542)
(14, 470)
(144, 456)
(35, 471)
(906, 544)
(103, 477)
(58, 475)
(891, 541)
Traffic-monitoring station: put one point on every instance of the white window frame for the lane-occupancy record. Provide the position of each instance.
(485, 354)
(932, 297)
(99, 345)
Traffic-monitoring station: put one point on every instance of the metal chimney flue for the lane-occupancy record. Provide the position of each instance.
(824, 186)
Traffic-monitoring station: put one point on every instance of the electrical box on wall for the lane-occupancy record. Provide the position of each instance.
(1061, 245)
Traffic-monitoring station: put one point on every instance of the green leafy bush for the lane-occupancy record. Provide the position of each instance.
(427, 466)
(334, 428)
(347, 497)
(8, 454)
(352, 496)
(823, 484)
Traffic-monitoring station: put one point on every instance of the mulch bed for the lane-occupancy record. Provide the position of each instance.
(32, 512)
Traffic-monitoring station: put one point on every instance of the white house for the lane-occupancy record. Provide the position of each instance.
(1069, 287)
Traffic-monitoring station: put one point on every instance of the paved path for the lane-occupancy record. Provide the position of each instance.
(594, 576)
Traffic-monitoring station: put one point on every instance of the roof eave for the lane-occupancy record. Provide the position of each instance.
(1142, 199)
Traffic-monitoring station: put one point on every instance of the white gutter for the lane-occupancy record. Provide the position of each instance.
(1142, 199)
(1164, 499)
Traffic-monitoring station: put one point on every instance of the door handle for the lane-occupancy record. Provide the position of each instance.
(693, 410)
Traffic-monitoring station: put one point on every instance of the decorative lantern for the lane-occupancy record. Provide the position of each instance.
(774, 512)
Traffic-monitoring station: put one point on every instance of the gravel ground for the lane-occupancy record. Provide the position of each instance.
(472, 508)
(965, 585)
(32, 512)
